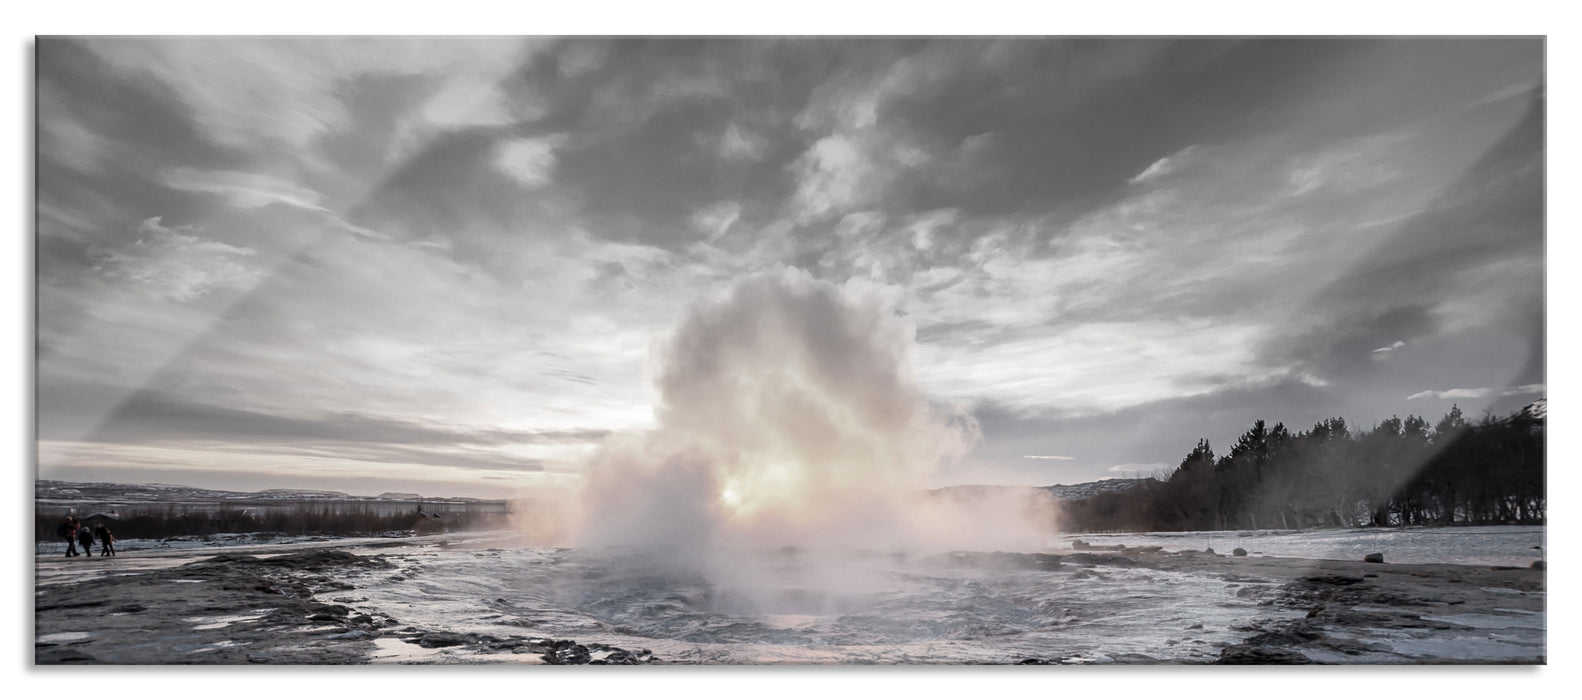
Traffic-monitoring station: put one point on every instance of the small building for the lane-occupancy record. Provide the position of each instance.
(429, 523)
(97, 519)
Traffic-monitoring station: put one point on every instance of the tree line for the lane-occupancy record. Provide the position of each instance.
(1398, 473)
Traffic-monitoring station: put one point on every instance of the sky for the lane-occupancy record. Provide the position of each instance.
(444, 264)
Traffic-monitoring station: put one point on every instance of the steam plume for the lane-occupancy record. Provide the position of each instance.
(788, 414)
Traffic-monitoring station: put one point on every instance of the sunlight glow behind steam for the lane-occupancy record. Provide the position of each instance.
(788, 415)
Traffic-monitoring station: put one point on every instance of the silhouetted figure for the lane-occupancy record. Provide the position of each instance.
(68, 529)
(85, 538)
(106, 541)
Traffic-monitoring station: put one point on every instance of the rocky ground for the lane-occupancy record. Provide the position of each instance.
(1362, 612)
(300, 608)
(242, 609)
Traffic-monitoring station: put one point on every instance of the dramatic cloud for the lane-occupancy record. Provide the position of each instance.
(369, 256)
(1140, 469)
(246, 190)
(178, 264)
(1164, 166)
(530, 162)
(1481, 392)
(247, 92)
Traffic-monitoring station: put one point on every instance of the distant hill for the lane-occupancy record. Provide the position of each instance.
(1077, 492)
(45, 490)
(302, 493)
(1062, 492)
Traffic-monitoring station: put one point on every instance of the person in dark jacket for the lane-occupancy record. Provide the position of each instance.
(68, 529)
(85, 538)
(106, 541)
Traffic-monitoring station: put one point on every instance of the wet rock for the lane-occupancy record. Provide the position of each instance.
(435, 640)
(1085, 559)
(567, 653)
(622, 657)
(1238, 552)
(1335, 579)
(330, 613)
(1128, 658)
(1248, 654)
(1374, 558)
(1294, 634)
(1079, 544)
(69, 605)
(62, 655)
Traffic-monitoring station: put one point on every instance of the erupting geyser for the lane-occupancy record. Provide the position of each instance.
(788, 415)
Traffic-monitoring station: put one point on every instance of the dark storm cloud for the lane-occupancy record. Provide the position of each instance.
(138, 121)
(104, 135)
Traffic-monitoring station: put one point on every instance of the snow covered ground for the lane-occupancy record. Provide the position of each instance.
(1499, 545)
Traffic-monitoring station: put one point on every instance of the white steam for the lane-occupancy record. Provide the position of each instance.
(788, 415)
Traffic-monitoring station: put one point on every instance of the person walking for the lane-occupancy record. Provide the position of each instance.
(85, 538)
(68, 529)
(106, 541)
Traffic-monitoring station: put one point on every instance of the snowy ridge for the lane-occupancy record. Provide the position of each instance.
(1063, 492)
(1537, 410)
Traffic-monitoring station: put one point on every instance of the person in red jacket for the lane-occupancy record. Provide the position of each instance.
(68, 529)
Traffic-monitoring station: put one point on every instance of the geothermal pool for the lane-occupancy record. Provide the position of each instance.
(799, 606)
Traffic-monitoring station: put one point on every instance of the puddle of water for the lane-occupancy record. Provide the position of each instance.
(1486, 621)
(223, 644)
(63, 637)
(790, 621)
(218, 621)
(391, 650)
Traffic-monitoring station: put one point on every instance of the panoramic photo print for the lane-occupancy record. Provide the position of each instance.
(790, 351)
